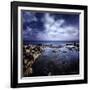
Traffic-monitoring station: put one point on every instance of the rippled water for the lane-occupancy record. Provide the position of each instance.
(57, 61)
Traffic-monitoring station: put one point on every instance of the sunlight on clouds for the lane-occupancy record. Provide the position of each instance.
(44, 26)
(50, 23)
(54, 31)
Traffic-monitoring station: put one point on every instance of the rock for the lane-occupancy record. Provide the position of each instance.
(30, 54)
(28, 72)
(49, 74)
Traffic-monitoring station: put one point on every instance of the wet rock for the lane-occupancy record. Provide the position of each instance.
(30, 54)
(28, 72)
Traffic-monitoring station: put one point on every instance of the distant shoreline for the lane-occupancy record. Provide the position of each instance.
(49, 42)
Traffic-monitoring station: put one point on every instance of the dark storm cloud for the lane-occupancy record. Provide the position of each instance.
(50, 26)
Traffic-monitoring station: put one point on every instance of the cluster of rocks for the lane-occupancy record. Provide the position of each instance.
(30, 54)
(72, 46)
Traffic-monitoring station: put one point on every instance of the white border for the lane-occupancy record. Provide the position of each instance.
(52, 78)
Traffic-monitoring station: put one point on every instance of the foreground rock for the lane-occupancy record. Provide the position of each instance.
(30, 54)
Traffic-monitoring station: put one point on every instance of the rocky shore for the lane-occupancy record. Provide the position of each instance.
(30, 54)
(37, 57)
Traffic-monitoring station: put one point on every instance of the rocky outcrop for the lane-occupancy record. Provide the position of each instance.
(30, 54)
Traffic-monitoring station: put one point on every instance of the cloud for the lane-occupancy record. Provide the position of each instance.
(48, 28)
(50, 23)
(55, 31)
(29, 16)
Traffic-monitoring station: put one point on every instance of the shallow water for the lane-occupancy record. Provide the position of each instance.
(57, 61)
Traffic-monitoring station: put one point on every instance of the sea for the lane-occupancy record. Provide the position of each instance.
(56, 61)
(49, 42)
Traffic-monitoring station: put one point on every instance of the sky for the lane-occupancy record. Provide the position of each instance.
(50, 26)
